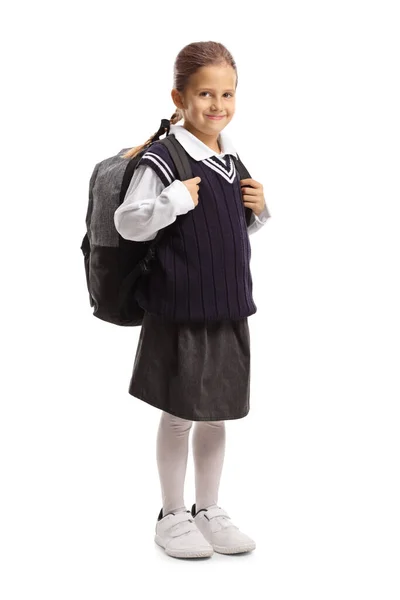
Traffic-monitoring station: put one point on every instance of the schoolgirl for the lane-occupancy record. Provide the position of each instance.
(193, 357)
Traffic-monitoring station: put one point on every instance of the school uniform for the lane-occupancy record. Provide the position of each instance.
(193, 355)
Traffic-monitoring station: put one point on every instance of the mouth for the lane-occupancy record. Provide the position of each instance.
(215, 117)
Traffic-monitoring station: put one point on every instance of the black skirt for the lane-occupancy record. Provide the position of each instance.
(196, 371)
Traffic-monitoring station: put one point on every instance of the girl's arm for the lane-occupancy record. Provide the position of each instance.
(150, 206)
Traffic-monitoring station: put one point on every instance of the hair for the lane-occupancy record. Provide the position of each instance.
(191, 58)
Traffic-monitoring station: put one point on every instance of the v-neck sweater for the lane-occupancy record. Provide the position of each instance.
(202, 267)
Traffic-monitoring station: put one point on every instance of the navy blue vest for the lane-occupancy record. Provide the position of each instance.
(202, 267)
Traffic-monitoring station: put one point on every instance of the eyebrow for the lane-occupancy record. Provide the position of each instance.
(209, 88)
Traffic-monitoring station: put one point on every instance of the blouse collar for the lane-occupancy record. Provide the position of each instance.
(196, 148)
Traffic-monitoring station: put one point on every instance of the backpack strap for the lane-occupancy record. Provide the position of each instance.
(182, 165)
(178, 155)
(164, 127)
(243, 174)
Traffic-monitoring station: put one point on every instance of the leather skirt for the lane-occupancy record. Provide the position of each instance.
(196, 371)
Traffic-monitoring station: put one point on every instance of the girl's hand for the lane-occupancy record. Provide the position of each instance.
(253, 195)
(193, 187)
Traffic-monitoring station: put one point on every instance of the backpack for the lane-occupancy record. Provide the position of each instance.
(114, 265)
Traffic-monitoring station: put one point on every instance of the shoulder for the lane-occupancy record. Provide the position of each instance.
(158, 158)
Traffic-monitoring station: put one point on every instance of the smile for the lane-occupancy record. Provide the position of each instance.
(215, 118)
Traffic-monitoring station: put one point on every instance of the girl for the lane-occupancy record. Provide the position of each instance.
(193, 357)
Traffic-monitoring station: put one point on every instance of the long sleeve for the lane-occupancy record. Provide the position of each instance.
(149, 205)
(257, 222)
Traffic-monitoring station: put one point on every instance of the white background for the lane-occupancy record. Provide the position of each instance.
(312, 473)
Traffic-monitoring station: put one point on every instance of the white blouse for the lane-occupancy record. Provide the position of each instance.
(149, 206)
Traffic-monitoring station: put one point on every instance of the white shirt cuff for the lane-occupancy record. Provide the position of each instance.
(180, 196)
(263, 216)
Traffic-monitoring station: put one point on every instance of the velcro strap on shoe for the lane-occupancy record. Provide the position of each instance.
(170, 521)
(218, 519)
(216, 512)
(182, 528)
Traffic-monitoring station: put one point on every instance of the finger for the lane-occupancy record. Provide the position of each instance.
(248, 181)
(251, 182)
(250, 199)
(250, 191)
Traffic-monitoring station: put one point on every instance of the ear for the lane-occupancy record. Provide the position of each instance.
(176, 98)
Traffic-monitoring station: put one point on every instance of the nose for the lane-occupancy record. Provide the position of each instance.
(216, 106)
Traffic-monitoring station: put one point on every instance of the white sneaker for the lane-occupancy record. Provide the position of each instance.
(216, 526)
(177, 533)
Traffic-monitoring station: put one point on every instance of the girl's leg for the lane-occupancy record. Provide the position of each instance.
(172, 456)
(208, 445)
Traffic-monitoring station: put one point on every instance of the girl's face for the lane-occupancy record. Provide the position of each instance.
(211, 91)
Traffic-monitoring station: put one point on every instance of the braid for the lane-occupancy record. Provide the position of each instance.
(136, 149)
(177, 116)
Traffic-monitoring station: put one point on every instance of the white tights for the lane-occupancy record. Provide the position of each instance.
(208, 445)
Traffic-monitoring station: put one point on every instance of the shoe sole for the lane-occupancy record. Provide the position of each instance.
(234, 550)
(184, 553)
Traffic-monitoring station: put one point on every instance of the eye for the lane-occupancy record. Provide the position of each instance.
(201, 93)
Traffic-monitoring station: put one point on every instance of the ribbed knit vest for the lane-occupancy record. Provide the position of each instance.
(201, 271)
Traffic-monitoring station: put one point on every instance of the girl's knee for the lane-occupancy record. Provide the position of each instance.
(215, 424)
(176, 423)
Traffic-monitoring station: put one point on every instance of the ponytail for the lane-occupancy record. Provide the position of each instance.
(177, 116)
